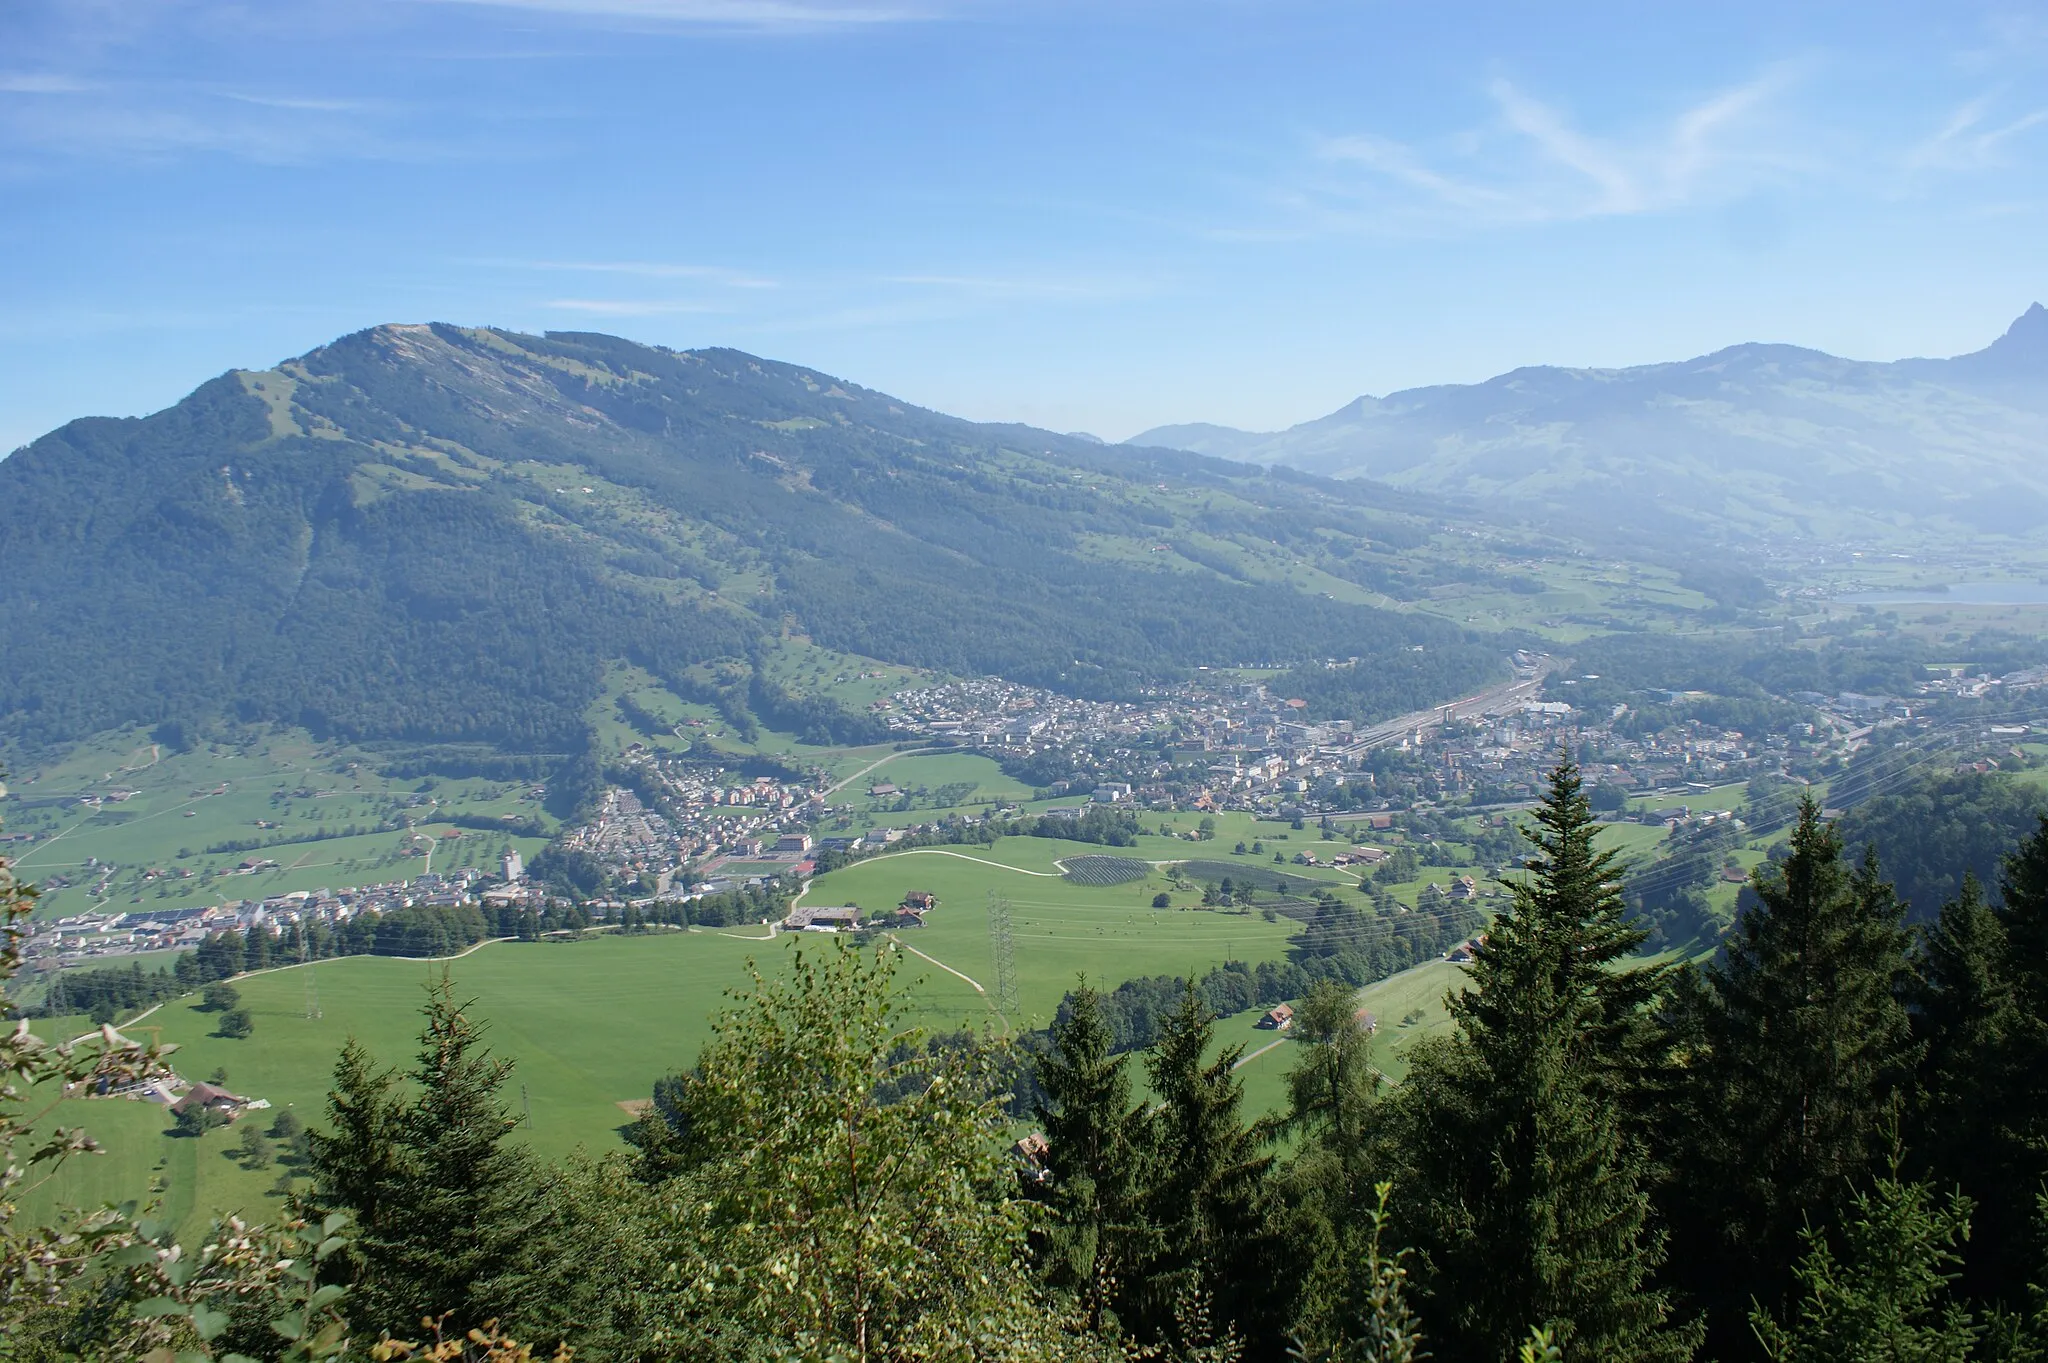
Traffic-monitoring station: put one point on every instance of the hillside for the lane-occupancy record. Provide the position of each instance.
(1752, 441)
(433, 533)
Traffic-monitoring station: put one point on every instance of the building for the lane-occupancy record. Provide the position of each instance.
(793, 842)
(212, 1098)
(842, 917)
(514, 866)
(1278, 1019)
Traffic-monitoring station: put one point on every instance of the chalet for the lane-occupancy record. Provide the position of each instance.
(212, 1098)
(1278, 1019)
(924, 901)
(1464, 888)
(1366, 1021)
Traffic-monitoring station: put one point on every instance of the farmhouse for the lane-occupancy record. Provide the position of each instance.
(1278, 1019)
(822, 920)
(212, 1098)
(924, 901)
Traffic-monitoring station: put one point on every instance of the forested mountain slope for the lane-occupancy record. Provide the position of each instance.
(1750, 440)
(431, 532)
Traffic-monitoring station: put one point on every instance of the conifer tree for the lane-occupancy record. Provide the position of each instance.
(1525, 1189)
(1206, 1195)
(1091, 1131)
(1966, 1019)
(1887, 1294)
(1800, 1047)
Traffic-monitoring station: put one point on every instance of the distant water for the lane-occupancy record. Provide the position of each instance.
(1959, 594)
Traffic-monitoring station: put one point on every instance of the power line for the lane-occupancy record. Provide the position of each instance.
(1005, 952)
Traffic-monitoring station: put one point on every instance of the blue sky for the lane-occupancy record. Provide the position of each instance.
(1096, 216)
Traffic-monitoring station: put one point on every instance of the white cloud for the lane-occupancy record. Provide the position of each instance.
(642, 269)
(1532, 163)
(734, 13)
(628, 307)
(1965, 142)
(41, 83)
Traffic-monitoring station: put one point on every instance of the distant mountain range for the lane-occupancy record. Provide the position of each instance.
(1751, 441)
(437, 533)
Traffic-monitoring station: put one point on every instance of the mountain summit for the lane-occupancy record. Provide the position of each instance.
(434, 533)
(1752, 441)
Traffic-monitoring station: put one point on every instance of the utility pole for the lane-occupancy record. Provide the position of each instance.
(312, 979)
(1005, 952)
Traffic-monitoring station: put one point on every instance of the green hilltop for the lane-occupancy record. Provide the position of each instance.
(434, 534)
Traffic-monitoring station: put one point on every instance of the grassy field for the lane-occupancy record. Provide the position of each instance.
(279, 788)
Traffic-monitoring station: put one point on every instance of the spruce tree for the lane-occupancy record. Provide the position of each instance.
(1206, 1195)
(1092, 1160)
(1525, 1186)
(1799, 1050)
(1966, 1018)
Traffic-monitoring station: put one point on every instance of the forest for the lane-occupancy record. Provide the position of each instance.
(1827, 1143)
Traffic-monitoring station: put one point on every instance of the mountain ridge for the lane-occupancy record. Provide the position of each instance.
(437, 533)
(1751, 441)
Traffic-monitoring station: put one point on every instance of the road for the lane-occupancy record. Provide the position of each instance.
(1494, 700)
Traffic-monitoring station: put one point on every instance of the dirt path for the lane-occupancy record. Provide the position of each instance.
(908, 752)
(980, 861)
(972, 982)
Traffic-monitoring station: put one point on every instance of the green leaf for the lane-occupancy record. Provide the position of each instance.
(134, 1256)
(330, 1245)
(290, 1327)
(325, 1297)
(333, 1223)
(208, 1322)
(158, 1306)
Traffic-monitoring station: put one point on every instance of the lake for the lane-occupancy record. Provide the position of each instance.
(1958, 594)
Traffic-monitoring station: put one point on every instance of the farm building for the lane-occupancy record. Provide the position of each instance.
(211, 1097)
(1279, 1018)
(822, 920)
(924, 901)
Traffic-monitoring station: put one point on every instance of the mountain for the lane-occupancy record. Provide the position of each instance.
(437, 533)
(1749, 442)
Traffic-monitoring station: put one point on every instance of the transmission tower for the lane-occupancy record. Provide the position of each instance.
(1005, 953)
(312, 979)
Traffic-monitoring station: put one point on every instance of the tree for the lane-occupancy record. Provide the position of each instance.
(1206, 1196)
(1331, 1091)
(1966, 1018)
(1093, 1136)
(220, 997)
(1526, 1186)
(1799, 1050)
(455, 1218)
(254, 1150)
(236, 1024)
(810, 1211)
(1887, 1295)
(196, 1119)
(1162, 900)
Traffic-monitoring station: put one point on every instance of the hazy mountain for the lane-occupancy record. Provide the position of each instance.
(1753, 439)
(431, 532)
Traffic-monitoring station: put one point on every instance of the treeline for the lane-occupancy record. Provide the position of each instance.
(416, 931)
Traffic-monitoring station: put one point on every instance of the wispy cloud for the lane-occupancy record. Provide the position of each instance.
(630, 307)
(1968, 140)
(640, 269)
(41, 83)
(729, 13)
(1531, 162)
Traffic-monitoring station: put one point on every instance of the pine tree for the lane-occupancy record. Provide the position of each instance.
(1092, 1159)
(1887, 1295)
(1966, 1018)
(1206, 1195)
(1800, 1049)
(1526, 1189)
